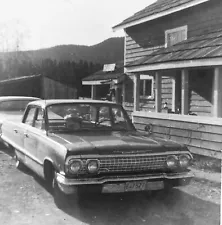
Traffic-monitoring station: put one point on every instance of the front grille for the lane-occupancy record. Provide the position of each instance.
(132, 164)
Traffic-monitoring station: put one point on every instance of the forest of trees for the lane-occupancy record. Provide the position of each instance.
(68, 64)
(68, 72)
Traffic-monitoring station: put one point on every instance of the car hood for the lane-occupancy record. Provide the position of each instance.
(15, 116)
(114, 143)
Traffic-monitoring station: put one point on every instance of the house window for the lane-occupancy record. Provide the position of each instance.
(146, 86)
(175, 36)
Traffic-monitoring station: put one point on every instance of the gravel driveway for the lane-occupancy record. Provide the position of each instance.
(24, 199)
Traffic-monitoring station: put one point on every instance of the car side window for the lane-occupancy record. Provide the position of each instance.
(39, 120)
(118, 115)
(30, 116)
(120, 121)
(104, 116)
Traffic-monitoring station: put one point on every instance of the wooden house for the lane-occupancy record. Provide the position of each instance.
(110, 79)
(173, 57)
(37, 86)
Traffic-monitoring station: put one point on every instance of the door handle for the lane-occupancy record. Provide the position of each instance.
(26, 135)
(16, 131)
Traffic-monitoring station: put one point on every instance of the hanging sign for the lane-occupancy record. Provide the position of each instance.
(109, 67)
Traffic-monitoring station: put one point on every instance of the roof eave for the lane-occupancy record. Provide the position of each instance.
(104, 80)
(158, 15)
(193, 63)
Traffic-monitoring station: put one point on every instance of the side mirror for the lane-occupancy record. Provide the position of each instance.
(149, 128)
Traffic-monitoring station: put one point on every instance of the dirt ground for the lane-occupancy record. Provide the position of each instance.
(24, 200)
(207, 164)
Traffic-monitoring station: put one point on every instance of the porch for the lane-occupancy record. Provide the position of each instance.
(187, 103)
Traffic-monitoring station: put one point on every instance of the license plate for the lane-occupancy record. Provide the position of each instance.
(135, 186)
(155, 185)
(113, 188)
(144, 185)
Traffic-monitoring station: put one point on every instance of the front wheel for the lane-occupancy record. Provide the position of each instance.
(61, 199)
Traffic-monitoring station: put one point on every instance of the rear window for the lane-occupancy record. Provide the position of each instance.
(14, 105)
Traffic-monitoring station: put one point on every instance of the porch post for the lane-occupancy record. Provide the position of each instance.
(93, 92)
(173, 94)
(217, 92)
(158, 92)
(136, 93)
(185, 92)
(117, 94)
(124, 92)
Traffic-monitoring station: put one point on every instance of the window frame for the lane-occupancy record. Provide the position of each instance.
(182, 28)
(144, 78)
(24, 120)
(37, 113)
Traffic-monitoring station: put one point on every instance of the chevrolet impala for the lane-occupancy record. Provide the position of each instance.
(93, 145)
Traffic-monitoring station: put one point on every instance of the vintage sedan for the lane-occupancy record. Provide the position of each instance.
(12, 107)
(93, 145)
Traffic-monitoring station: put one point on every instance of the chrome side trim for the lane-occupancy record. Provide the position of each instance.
(101, 180)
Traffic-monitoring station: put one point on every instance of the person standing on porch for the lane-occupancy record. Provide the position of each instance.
(111, 95)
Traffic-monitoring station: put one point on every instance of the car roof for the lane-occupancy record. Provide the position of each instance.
(45, 103)
(4, 98)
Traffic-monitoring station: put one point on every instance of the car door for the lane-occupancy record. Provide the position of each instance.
(29, 137)
(35, 136)
(14, 134)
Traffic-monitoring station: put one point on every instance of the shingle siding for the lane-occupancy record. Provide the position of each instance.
(142, 38)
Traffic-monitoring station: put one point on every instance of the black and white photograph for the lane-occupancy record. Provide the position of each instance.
(110, 112)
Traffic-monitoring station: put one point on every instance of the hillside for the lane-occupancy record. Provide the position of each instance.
(108, 51)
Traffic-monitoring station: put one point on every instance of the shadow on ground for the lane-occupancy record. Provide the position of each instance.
(8, 151)
(173, 208)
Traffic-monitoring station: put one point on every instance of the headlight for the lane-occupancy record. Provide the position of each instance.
(172, 162)
(184, 161)
(74, 166)
(93, 166)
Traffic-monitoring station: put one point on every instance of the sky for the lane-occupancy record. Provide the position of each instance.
(36, 24)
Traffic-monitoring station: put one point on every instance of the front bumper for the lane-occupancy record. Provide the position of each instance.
(68, 186)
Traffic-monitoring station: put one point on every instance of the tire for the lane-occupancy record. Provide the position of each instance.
(49, 176)
(61, 199)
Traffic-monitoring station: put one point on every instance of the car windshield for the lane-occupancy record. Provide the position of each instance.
(91, 116)
(14, 105)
